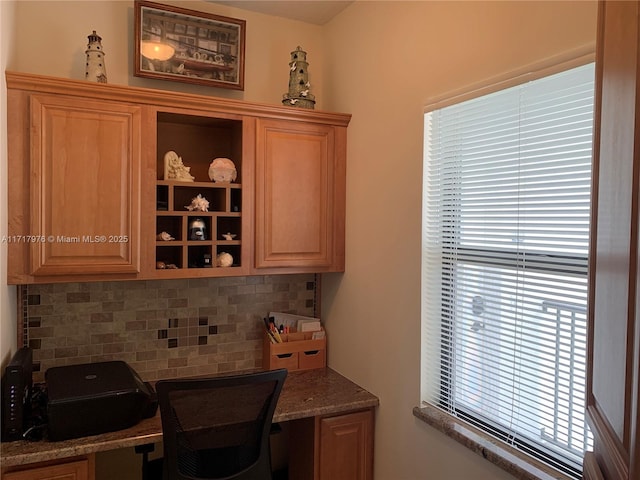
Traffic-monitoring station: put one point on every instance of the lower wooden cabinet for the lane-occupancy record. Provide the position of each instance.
(346, 447)
(76, 469)
(332, 447)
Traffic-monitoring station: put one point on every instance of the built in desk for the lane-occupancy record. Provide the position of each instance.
(327, 413)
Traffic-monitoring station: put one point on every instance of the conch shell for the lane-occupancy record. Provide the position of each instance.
(199, 204)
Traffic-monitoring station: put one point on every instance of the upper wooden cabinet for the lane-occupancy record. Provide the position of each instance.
(88, 197)
(84, 186)
(74, 193)
(300, 196)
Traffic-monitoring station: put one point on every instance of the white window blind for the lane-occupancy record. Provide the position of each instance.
(506, 204)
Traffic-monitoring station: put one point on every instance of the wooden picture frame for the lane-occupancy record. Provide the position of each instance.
(183, 45)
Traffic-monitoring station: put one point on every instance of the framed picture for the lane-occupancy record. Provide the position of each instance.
(183, 45)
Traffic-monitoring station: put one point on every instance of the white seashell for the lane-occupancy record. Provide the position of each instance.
(199, 204)
(222, 170)
(224, 259)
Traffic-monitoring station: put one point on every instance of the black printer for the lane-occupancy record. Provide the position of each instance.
(94, 398)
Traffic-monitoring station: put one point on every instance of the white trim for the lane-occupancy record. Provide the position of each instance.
(527, 73)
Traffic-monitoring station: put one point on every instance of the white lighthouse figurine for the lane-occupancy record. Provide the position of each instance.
(95, 68)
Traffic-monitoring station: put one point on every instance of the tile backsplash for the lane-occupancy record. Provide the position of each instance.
(162, 328)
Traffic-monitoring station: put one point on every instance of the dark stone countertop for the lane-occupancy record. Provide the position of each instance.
(305, 394)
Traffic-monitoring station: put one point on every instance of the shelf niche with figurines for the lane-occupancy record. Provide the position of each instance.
(198, 195)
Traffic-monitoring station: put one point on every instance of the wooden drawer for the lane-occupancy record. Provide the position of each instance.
(283, 360)
(298, 351)
(312, 359)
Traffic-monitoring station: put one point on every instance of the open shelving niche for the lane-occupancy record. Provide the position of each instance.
(198, 140)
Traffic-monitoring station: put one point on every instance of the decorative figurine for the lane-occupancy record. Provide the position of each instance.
(95, 70)
(198, 204)
(167, 266)
(174, 169)
(224, 259)
(164, 237)
(197, 229)
(222, 170)
(228, 236)
(298, 95)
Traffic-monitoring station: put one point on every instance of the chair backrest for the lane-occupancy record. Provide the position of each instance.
(218, 428)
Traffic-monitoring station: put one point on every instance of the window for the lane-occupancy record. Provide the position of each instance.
(506, 205)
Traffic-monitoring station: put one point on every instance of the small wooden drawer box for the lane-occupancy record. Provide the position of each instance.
(298, 351)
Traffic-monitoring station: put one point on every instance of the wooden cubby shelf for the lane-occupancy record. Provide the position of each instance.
(198, 140)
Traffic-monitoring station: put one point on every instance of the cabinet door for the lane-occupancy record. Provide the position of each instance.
(84, 184)
(346, 447)
(76, 470)
(300, 178)
(613, 373)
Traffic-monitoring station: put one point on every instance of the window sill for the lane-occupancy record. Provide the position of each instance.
(505, 457)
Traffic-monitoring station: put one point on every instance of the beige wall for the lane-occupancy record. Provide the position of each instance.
(381, 61)
(52, 39)
(388, 60)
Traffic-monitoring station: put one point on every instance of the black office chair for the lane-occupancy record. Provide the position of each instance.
(217, 428)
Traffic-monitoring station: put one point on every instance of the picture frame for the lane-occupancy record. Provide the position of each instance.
(182, 45)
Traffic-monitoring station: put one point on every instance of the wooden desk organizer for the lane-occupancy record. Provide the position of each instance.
(296, 352)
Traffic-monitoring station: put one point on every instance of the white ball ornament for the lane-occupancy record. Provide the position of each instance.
(224, 259)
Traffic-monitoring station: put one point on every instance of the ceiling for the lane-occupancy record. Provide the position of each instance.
(317, 12)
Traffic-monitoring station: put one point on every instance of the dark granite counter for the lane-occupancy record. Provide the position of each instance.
(305, 394)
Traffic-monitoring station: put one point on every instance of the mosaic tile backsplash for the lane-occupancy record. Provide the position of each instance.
(162, 328)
